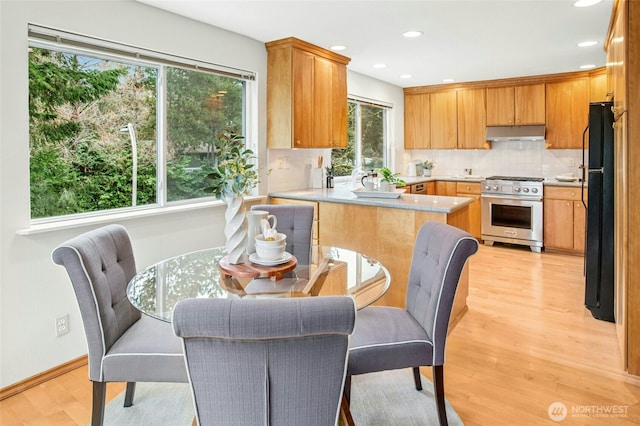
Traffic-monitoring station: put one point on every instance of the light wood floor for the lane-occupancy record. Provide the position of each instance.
(526, 342)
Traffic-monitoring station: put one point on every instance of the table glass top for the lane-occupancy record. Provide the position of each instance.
(333, 271)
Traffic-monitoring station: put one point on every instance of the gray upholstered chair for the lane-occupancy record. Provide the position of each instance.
(388, 338)
(123, 345)
(296, 222)
(266, 361)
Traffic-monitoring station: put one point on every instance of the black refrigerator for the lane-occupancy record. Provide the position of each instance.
(599, 262)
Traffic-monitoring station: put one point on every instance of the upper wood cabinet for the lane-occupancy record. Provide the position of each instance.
(417, 121)
(471, 119)
(516, 105)
(567, 113)
(306, 96)
(444, 120)
(598, 90)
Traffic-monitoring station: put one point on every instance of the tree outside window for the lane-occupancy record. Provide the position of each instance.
(82, 149)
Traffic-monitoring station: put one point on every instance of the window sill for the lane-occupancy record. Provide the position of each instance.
(58, 225)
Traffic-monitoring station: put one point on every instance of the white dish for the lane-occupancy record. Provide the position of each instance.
(361, 193)
(254, 258)
(566, 179)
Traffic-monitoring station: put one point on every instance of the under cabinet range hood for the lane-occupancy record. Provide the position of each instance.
(515, 133)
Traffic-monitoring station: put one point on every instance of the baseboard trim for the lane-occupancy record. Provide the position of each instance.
(40, 378)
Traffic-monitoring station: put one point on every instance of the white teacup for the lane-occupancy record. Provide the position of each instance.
(271, 252)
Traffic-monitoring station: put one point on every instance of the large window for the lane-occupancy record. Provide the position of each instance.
(367, 131)
(113, 130)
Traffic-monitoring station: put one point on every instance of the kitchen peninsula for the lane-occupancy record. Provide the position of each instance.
(382, 228)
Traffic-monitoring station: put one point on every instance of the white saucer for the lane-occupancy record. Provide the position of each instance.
(253, 257)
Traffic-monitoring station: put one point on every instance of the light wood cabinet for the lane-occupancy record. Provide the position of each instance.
(444, 120)
(471, 104)
(448, 188)
(564, 219)
(516, 105)
(388, 235)
(598, 90)
(306, 96)
(567, 113)
(417, 121)
(472, 190)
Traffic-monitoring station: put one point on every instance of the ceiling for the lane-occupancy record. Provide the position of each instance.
(463, 40)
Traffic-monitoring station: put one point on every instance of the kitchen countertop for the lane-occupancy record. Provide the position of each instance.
(429, 203)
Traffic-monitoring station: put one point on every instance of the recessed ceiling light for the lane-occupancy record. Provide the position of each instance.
(587, 43)
(587, 67)
(379, 66)
(338, 47)
(586, 3)
(448, 80)
(412, 34)
(405, 76)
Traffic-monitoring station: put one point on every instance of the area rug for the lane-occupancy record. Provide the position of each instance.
(377, 399)
(390, 398)
(153, 404)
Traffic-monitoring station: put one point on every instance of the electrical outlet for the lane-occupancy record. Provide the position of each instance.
(572, 162)
(62, 325)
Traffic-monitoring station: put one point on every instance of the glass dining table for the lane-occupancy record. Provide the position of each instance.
(332, 271)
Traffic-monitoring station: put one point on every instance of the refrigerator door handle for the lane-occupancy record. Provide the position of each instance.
(600, 170)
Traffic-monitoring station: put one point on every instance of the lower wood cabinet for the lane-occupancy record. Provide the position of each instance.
(564, 220)
(448, 188)
(472, 190)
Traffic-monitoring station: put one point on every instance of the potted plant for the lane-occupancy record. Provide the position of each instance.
(234, 174)
(426, 167)
(392, 180)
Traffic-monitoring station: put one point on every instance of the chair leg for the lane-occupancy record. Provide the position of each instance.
(347, 388)
(128, 396)
(438, 391)
(97, 411)
(416, 378)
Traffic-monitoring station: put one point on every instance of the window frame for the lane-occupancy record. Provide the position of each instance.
(65, 42)
(386, 107)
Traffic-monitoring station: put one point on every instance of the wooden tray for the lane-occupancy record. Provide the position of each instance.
(253, 270)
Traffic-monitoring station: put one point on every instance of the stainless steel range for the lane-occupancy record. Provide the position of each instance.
(512, 210)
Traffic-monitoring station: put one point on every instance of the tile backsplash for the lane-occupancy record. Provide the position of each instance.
(526, 158)
(290, 169)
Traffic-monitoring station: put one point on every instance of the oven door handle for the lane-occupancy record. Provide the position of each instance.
(507, 197)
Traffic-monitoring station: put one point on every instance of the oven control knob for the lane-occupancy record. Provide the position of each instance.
(487, 187)
(516, 189)
(534, 190)
(525, 190)
(495, 188)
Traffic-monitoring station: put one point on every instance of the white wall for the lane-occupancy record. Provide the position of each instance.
(34, 291)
